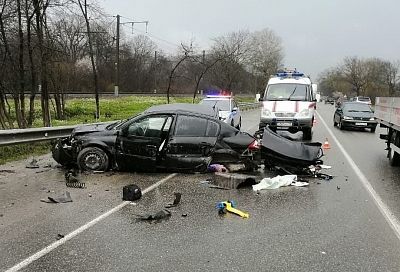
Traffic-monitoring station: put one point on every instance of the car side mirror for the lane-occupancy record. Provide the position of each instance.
(260, 99)
(235, 109)
(314, 100)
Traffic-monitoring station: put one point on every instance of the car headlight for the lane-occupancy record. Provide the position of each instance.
(265, 113)
(304, 113)
(372, 119)
(347, 118)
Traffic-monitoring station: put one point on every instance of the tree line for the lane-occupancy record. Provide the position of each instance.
(50, 48)
(356, 76)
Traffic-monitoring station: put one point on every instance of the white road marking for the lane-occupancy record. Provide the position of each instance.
(71, 235)
(387, 214)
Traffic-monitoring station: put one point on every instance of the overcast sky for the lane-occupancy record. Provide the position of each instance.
(316, 34)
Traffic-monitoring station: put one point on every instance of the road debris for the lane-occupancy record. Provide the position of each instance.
(176, 202)
(158, 216)
(7, 171)
(279, 181)
(229, 206)
(217, 168)
(72, 181)
(233, 180)
(64, 198)
(131, 192)
(32, 164)
(60, 236)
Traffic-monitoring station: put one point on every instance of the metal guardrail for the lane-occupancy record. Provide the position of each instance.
(30, 135)
(248, 105)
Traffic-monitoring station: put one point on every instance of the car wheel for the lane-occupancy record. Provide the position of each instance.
(340, 124)
(373, 129)
(92, 159)
(307, 133)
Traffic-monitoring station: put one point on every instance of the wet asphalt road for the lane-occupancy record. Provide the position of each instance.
(328, 226)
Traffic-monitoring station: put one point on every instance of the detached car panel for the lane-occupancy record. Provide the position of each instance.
(174, 137)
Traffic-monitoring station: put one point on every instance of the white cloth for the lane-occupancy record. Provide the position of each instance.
(278, 181)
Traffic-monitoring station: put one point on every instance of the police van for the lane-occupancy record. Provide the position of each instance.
(289, 103)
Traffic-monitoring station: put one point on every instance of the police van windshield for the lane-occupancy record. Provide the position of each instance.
(287, 91)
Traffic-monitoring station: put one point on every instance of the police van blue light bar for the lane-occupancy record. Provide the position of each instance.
(286, 74)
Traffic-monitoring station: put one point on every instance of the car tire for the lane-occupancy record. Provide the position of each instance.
(340, 125)
(93, 159)
(373, 129)
(307, 133)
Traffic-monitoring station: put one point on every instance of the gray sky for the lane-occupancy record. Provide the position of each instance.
(316, 34)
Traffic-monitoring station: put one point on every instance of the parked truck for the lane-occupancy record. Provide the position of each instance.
(387, 113)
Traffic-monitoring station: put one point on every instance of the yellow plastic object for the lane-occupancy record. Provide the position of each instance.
(229, 208)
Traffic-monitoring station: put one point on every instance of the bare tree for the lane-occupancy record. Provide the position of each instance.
(186, 51)
(265, 54)
(391, 74)
(83, 7)
(232, 49)
(355, 73)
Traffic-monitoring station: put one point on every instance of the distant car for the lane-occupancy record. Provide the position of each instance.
(354, 115)
(173, 137)
(229, 111)
(329, 100)
(362, 99)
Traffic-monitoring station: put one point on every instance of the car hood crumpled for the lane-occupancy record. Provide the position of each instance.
(89, 128)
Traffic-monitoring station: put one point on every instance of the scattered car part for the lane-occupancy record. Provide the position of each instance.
(293, 155)
(160, 215)
(64, 198)
(177, 200)
(131, 192)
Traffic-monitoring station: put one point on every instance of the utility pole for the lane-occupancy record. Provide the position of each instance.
(155, 71)
(116, 84)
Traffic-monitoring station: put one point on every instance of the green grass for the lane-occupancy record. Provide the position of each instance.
(22, 151)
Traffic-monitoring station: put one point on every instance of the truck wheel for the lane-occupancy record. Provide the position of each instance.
(394, 157)
(92, 159)
(307, 133)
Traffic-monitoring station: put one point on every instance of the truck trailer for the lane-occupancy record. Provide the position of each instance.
(387, 114)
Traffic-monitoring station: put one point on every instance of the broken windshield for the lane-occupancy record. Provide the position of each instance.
(287, 91)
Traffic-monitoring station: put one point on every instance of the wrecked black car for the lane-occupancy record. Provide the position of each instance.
(172, 137)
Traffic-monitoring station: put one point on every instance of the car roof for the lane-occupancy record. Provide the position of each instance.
(183, 107)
